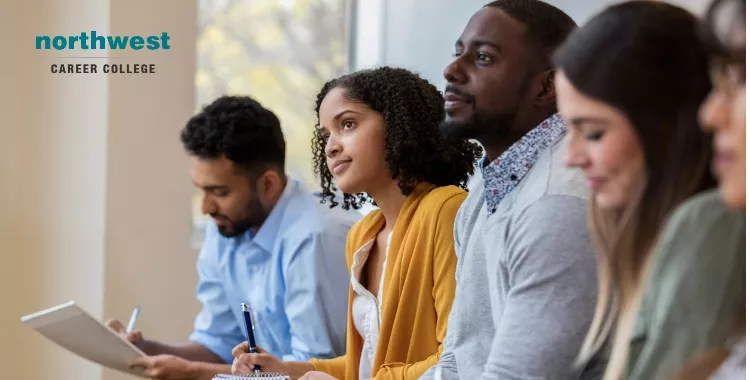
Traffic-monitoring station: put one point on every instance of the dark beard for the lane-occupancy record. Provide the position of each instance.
(256, 216)
(483, 128)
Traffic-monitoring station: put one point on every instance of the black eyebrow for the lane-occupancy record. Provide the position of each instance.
(578, 121)
(337, 117)
(340, 114)
(211, 187)
(478, 43)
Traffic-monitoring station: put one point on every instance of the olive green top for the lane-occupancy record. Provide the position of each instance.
(695, 282)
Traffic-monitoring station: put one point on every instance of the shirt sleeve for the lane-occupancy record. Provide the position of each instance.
(315, 300)
(694, 283)
(551, 295)
(215, 327)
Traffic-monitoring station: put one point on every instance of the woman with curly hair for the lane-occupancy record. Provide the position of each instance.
(377, 140)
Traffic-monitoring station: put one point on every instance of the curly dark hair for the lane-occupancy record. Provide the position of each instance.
(415, 150)
(239, 128)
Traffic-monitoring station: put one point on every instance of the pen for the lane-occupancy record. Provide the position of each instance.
(133, 318)
(252, 348)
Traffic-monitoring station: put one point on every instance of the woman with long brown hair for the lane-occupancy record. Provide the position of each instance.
(693, 295)
(724, 114)
(630, 83)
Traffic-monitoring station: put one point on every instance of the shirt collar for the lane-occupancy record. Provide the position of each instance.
(266, 235)
(503, 174)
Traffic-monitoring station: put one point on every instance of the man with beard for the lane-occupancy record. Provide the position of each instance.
(526, 274)
(271, 245)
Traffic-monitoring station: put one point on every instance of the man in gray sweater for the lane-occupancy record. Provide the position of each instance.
(526, 274)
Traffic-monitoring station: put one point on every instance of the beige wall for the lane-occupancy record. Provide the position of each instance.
(95, 198)
(56, 176)
(10, 267)
(148, 186)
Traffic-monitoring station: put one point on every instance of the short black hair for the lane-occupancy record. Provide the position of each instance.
(240, 129)
(415, 150)
(546, 26)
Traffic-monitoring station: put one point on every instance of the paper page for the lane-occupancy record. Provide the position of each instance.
(77, 331)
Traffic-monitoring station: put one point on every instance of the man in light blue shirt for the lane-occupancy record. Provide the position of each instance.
(270, 244)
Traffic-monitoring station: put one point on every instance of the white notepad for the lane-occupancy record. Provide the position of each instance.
(77, 331)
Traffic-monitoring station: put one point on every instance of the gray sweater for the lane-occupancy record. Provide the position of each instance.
(526, 281)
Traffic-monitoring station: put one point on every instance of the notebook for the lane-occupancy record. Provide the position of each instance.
(74, 329)
(262, 376)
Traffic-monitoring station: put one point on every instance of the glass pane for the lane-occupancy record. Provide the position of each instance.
(279, 52)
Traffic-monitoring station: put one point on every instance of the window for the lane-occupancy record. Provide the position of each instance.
(279, 52)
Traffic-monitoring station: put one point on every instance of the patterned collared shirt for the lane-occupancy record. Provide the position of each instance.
(503, 174)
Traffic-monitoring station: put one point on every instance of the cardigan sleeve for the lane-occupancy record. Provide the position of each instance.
(443, 291)
(335, 367)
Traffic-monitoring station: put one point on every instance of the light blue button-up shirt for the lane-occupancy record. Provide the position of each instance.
(293, 275)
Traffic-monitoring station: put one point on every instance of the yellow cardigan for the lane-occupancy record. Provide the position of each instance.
(418, 289)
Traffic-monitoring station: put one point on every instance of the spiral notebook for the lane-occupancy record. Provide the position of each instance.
(262, 376)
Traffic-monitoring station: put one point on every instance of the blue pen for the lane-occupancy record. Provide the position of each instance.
(252, 348)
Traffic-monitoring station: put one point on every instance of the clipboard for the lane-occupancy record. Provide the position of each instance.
(74, 329)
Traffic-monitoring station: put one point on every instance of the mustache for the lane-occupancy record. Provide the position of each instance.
(465, 95)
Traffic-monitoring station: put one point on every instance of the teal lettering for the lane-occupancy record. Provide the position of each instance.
(59, 42)
(153, 42)
(72, 42)
(99, 39)
(117, 42)
(84, 41)
(165, 41)
(92, 41)
(136, 43)
(42, 39)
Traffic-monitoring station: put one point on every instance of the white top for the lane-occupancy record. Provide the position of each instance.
(733, 367)
(366, 308)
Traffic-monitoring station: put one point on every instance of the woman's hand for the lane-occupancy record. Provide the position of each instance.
(244, 362)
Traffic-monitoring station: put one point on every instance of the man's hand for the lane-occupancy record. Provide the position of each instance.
(166, 367)
(190, 351)
(135, 336)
